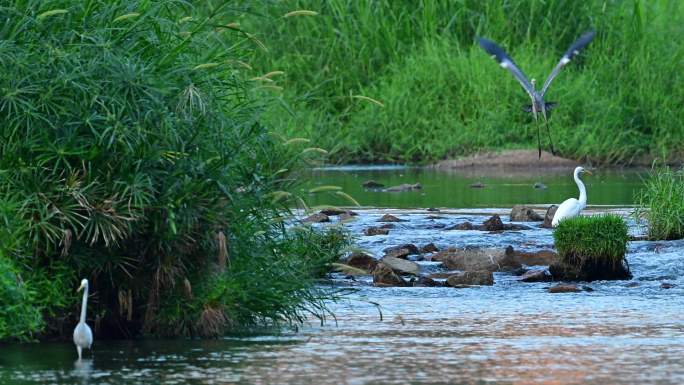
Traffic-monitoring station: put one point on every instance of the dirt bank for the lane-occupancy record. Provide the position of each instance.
(511, 159)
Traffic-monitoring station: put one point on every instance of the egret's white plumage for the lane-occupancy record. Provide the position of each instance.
(572, 207)
(83, 336)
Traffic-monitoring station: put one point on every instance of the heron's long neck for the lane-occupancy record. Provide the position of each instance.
(84, 304)
(582, 190)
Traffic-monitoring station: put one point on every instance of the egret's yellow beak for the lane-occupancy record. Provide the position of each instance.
(79, 288)
(588, 172)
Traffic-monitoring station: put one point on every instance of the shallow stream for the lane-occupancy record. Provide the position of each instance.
(622, 332)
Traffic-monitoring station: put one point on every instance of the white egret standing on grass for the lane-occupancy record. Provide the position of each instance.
(538, 103)
(572, 207)
(83, 336)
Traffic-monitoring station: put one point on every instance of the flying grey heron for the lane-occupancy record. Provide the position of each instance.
(572, 207)
(538, 103)
(83, 336)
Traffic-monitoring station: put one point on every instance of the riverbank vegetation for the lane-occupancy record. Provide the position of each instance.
(591, 248)
(661, 203)
(133, 154)
(404, 81)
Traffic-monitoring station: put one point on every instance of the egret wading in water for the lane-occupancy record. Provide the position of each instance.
(83, 336)
(572, 207)
(538, 104)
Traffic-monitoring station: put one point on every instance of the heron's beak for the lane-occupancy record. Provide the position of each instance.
(79, 288)
(588, 172)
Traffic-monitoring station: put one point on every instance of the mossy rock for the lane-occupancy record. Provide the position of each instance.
(591, 248)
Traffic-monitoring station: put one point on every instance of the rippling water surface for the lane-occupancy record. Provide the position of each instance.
(623, 332)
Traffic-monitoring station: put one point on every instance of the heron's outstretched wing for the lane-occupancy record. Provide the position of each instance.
(506, 62)
(574, 49)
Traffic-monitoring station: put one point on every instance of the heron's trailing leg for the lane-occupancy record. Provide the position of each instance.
(538, 140)
(548, 132)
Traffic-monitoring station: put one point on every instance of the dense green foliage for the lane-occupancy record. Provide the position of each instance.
(18, 317)
(600, 240)
(661, 203)
(438, 94)
(132, 154)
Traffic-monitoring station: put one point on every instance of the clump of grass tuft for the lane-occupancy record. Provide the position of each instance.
(594, 239)
(661, 203)
(591, 248)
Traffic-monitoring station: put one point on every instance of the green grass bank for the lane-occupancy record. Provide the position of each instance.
(435, 94)
(661, 203)
(133, 154)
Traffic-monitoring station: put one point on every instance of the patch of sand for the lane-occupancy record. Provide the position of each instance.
(516, 159)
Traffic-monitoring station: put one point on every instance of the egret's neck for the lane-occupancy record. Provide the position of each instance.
(582, 190)
(84, 304)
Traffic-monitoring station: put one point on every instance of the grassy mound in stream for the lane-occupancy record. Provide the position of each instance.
(591, 248)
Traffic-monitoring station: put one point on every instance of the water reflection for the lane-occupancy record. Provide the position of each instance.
(504, 188)
(83, 370)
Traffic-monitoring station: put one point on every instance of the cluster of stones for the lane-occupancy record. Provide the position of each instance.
(459, 267)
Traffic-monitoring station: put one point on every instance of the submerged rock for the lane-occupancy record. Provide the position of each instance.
(468, 278)
(462, 226)
(476, 259)
(383, 275)
(539, 185)
(412, 249)
(520, 213)
(426, 282)
(548, 217)
(331, 211)
(350, 271)
(316, 218)
(477, 185)
(387, 226)
(371, 231)
(404, 187)
(434, 209)
(667, 285)
(348, 216)
(433, 217)
(371, 184)
(564, 288)
(429, 248)
(440, 275)
(535, 258)
(390, 218)
(536, 276)
(493, 224)
(398, 253)
(401, 266)
(362, 261)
